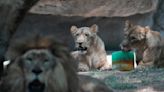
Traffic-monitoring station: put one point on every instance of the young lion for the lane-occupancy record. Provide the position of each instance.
(147, 43)
(90, 52)
(41, 64)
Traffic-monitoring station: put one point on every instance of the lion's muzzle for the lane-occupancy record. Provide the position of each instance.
(37, 71)
(81, 47)
(125, 46)
(36, 86)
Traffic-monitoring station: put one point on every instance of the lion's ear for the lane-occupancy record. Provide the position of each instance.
(94, 28)
(73, 29)
(147, 29)
(128, 24)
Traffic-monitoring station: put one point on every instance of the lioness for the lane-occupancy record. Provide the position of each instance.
(41, 64)
(90, 51)
(147, 43)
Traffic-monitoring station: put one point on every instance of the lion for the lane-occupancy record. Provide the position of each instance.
(42, 64)
(148, 44)
(90, 49)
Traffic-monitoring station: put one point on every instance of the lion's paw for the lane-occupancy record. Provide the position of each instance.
(106, 67)
(83, 67)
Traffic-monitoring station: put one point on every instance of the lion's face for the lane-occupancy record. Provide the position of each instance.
(83, 36)
(134, 37)
(39, 63)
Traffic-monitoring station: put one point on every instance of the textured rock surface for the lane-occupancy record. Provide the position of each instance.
(110, 29)
(89, 8)
(159, 18)
(109, 15)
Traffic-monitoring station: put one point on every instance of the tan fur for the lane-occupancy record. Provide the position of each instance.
(91, 52)
(29, 55)
(147, 43)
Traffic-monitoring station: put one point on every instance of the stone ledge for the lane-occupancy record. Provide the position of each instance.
(89, 8)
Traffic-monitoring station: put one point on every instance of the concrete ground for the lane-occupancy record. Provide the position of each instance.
(138, 80)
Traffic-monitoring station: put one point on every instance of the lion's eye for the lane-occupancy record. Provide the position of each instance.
(46, 60)
(77, 34)
(133, 38)
(86, 34)
(125, 35)
(29, 58)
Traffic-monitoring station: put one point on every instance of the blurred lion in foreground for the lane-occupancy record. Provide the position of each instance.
(90, 51)
(148, 44)
(41, 64)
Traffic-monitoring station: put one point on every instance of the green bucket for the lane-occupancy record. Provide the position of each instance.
(124, 61)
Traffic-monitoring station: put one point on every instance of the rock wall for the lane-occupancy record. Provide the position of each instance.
(159, 18)
(89, 8)
(109, 15)
(110, 29)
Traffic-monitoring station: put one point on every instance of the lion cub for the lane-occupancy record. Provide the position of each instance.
(90, 49)
(147, 43)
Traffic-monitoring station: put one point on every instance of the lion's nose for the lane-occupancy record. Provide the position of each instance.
(123, 45)
(37, 71)
(80, 43)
